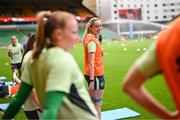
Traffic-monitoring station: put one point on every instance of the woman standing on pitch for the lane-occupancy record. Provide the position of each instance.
(32, 107)
(15, 52)
(53, 72)
(93, 62)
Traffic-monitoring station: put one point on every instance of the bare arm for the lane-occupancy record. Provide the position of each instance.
(134, 86)
(9, 52)
(35, 99)
(91, 57)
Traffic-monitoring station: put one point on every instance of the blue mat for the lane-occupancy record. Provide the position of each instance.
(106, 115)
(2, 78)
(118, 114)
(9, 83)
(6, 83)
(4, 106)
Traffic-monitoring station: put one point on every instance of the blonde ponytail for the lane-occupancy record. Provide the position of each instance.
(47, 23)
(88, 25)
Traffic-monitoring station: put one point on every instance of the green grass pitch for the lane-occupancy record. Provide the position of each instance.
(117, 62)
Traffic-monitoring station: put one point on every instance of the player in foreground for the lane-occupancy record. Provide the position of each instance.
(53, 72)
(162, 57)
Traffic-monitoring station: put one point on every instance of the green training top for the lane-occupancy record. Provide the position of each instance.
(56, 70)
(29, 105)
(17, 53)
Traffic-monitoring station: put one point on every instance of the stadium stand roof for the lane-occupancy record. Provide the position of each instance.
(62, 1)
(28, 8)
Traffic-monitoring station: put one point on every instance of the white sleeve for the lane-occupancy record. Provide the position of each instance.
(147, 64)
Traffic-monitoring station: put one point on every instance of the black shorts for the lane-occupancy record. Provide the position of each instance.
(33, 115)
(99, 82)
(4, 91)
(16, 65)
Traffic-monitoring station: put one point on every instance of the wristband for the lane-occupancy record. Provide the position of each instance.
(91, 80)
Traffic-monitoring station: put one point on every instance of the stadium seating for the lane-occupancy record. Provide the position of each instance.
(30, 8)
(5, 36)
(10, 11)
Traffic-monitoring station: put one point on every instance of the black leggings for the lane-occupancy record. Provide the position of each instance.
(4, 91)
(33, 115)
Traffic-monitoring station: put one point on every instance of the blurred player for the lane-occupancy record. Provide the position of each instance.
(8, 90)
(15, 52)
(162, 57)
(31, 106)
(54, 73)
